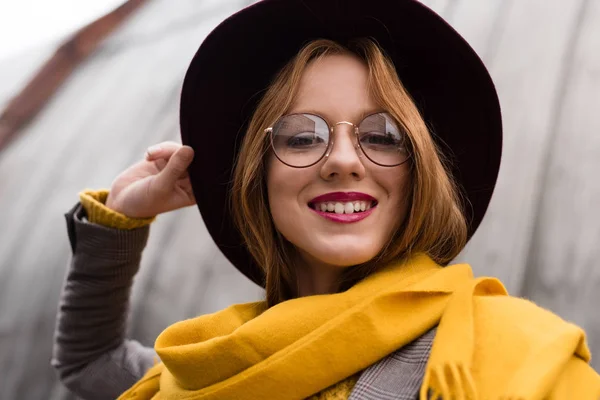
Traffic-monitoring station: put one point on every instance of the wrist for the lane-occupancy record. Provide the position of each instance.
(99, 211)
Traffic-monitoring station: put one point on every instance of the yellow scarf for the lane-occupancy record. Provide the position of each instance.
(487, 346)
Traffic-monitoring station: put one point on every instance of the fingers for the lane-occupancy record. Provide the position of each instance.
(175, 169)
(162, 150)
(160, 163)
(186, 187)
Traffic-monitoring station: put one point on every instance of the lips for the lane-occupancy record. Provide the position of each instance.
(343, 197)
(343, 206)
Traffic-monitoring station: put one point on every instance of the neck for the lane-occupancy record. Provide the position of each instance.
(315, 277)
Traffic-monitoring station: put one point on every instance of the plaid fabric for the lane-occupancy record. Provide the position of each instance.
(397, 376)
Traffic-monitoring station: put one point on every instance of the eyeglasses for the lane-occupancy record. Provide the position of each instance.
(302, 140)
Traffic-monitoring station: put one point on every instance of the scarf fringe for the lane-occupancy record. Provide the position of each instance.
(448, 381)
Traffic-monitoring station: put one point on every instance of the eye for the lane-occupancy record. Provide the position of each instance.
(304, 140)
(380, 140)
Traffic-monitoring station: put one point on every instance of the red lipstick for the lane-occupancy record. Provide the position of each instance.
(343, 197)
(345, 218)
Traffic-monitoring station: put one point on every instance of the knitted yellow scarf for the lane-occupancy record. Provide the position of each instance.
(488, 345)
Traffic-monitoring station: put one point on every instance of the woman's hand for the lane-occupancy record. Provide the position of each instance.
(156, 185)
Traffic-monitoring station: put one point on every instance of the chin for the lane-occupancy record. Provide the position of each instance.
(339, 250)
(344, 258)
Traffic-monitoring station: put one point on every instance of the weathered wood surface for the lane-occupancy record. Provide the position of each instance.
(540, 236)
(542, 230)
(42, 86)
(121, 100)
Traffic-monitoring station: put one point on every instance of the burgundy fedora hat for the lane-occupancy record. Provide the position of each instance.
(239, 58)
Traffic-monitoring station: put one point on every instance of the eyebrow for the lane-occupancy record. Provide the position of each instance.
(362, 116)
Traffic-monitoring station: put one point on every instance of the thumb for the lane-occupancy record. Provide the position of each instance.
(176, 167)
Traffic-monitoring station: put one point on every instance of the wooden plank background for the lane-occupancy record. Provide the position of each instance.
(540, 235)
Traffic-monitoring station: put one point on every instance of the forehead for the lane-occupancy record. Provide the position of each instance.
(335, 86)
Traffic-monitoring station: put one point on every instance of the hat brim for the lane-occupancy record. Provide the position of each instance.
(239, 58)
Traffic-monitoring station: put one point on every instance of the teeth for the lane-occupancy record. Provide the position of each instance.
(348, 208)
(343, 208)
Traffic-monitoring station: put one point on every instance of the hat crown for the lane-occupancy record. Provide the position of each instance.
(239, 58)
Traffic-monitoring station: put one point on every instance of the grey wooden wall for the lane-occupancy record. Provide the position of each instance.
(540, 235)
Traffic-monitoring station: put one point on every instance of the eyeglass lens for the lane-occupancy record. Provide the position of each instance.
(301, 140)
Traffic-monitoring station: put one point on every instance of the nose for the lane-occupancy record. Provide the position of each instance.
(343, 160)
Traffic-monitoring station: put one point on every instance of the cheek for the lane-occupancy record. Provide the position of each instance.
(272, 182)
(284, 185)
(399, 188)
(276, 182)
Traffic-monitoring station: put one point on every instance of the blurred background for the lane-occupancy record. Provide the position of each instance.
(112, 89)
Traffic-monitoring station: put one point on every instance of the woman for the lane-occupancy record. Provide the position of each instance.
(346, 204)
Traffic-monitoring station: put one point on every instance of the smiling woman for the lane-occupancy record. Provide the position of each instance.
(341, 85)
(357, 152)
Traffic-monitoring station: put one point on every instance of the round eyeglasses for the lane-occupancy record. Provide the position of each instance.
(302, 140)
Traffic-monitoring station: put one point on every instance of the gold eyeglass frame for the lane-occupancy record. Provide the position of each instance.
(357, 145)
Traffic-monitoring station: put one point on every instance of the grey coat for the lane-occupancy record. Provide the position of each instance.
(95, 360)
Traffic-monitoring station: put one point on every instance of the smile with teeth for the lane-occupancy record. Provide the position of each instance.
(343, 208)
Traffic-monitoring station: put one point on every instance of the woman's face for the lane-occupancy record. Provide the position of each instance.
(335, 87)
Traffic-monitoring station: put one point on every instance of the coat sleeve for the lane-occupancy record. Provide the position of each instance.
(577, 381)
(90, 352)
